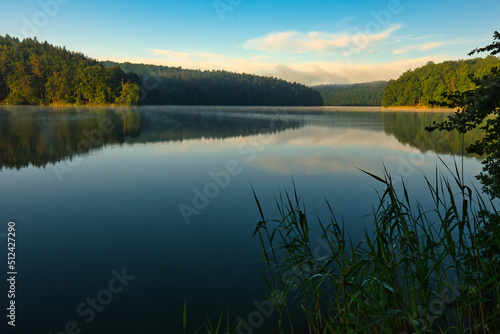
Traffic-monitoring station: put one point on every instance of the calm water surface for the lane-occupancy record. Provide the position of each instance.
(123, 214)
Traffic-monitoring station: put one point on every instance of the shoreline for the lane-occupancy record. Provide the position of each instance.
(250, 108)
(391, 109)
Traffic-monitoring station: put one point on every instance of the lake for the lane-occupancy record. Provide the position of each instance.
(124, 214)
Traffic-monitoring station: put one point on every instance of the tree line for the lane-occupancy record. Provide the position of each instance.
(37, 73)
(165, 85)
(360, 94)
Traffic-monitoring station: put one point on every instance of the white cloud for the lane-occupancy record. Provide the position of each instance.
(400, 51)
(421, 47)
(317, 41)
(430, 46)
(211, 56)
(170, 53)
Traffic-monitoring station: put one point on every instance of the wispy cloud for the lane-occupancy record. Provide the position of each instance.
(317, 41)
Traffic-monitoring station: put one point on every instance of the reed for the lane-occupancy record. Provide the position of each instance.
(422, 270)
(210, 326)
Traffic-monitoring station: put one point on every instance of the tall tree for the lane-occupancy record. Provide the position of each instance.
(480, 108)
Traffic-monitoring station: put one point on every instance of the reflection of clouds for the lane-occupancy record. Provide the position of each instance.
(315, 137)
(420, 162)
(309, 136)
(308, 150)
(322, 150)
(197, 146)
(305, 165)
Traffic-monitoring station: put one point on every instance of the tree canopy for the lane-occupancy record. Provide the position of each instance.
(426, 85)
(40, 73)
(479, 107)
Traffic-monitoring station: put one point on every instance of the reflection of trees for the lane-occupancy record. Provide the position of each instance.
(38, 136)
(158, 126)
(409, 128)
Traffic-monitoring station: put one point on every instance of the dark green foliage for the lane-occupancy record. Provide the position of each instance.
(426, 85)
(361, 94)
(40, 73)
(479, 107)
(164, 85)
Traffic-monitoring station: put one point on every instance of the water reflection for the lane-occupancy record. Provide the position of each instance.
(409, 128)
(39, 136)
(121, 207)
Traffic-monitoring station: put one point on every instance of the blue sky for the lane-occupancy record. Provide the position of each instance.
(312, 42)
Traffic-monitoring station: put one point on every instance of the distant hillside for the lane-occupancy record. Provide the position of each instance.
(163, 85)
(362, 94)
(422, 86)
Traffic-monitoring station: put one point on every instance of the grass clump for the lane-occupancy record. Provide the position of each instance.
(421, 271)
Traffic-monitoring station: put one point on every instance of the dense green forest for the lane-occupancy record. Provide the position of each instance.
(164, 85)
(40, 73)
(361, 94)
(425, 85)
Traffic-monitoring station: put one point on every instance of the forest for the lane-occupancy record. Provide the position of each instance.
(35, 73)
(425, 86)
(164, 85)
(360, 94)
